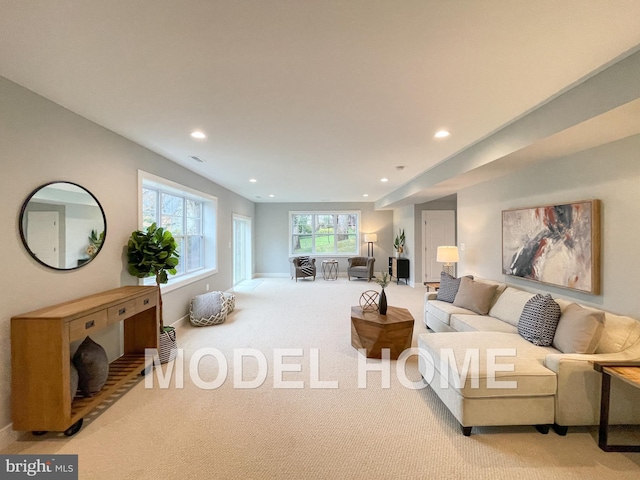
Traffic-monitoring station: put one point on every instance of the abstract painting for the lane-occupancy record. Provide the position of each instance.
(554, 244)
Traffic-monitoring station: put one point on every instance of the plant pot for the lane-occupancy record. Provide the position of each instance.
(382, 303)
(168, 345)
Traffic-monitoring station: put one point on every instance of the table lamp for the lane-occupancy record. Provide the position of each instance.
(448, 255)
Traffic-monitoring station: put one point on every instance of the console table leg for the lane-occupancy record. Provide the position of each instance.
(603, 433)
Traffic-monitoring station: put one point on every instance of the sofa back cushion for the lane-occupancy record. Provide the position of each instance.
(619, 333)
(475, 296)
(509, 305)
(579, 330)
(539, 320)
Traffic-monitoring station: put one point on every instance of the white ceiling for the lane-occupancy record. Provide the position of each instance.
(317, 100)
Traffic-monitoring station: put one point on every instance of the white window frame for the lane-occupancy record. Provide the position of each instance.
(357, 213)
(210, 228)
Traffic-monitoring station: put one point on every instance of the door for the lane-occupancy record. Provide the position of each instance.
(42, 236)
(241, 248)
(438, 228)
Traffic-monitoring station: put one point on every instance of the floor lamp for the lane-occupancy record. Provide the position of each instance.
(448, 255)
(370, 238)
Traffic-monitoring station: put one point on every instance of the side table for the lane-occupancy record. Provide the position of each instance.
(628, 372)
(329, 269)
(374, 332)
(434, 285)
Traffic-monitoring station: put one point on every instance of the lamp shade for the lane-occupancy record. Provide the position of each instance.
(447, 254)
(370, 237)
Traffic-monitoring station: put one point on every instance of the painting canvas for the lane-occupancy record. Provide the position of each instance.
(554, 244)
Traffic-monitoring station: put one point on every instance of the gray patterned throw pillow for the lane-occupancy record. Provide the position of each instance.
(539, 320)
(449, 287)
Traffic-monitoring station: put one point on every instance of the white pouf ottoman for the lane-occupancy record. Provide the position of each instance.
(211, 308)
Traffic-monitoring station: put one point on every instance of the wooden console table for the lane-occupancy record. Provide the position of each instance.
(40, 355)
(627, 372)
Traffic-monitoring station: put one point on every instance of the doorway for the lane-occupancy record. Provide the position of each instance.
(241, 248)
(43, 237)
(438, 228)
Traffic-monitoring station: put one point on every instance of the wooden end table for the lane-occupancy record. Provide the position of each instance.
(628, 372)
(434, 285)
(373, 332)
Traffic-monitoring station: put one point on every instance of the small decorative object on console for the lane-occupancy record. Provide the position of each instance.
(93, 367)
(368, 301)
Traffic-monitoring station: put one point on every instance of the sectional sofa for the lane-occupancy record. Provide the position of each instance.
(487, 374)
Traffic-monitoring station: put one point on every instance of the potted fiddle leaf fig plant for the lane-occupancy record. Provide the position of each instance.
(154, 253)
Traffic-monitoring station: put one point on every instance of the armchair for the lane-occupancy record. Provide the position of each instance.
(361, 267)
(303, 267)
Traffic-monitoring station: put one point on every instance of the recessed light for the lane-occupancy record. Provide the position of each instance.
(384, 179)
(365, 195)
(253, 180)
(442, 134)
(271, 195)
(198, 134)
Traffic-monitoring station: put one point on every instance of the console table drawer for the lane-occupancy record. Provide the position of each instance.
(121, 311)
(83, 326)
(143, 303)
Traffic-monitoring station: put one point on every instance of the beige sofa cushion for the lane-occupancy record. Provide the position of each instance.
(530, 375)
(475, 296)
(442, 311)
(579, 330)
(509, 305)
(620, 332)
(480, 323)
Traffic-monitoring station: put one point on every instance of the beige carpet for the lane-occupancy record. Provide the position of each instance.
(348, 432)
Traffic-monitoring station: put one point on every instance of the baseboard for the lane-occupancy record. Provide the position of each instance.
(7, 436)
(271, 275)
(180, 321)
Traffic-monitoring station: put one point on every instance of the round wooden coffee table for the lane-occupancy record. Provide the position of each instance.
(373, 332)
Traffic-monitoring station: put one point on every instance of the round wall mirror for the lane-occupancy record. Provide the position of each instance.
(62, 225)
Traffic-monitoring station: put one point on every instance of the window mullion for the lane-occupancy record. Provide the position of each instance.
(313, 233)
(185, 236)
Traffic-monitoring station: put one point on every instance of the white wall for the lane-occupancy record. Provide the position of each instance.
(272, 234)
(610, 173)
(403, 219)
(41, 142)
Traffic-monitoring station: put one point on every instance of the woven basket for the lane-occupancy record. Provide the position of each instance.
(168, 346)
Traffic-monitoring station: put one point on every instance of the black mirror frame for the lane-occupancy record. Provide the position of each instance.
(23, 236)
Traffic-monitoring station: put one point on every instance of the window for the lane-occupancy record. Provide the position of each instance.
(330, 233)
(190, 216)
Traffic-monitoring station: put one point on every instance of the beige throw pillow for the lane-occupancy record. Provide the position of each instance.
(579, 330)
(475, 296)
